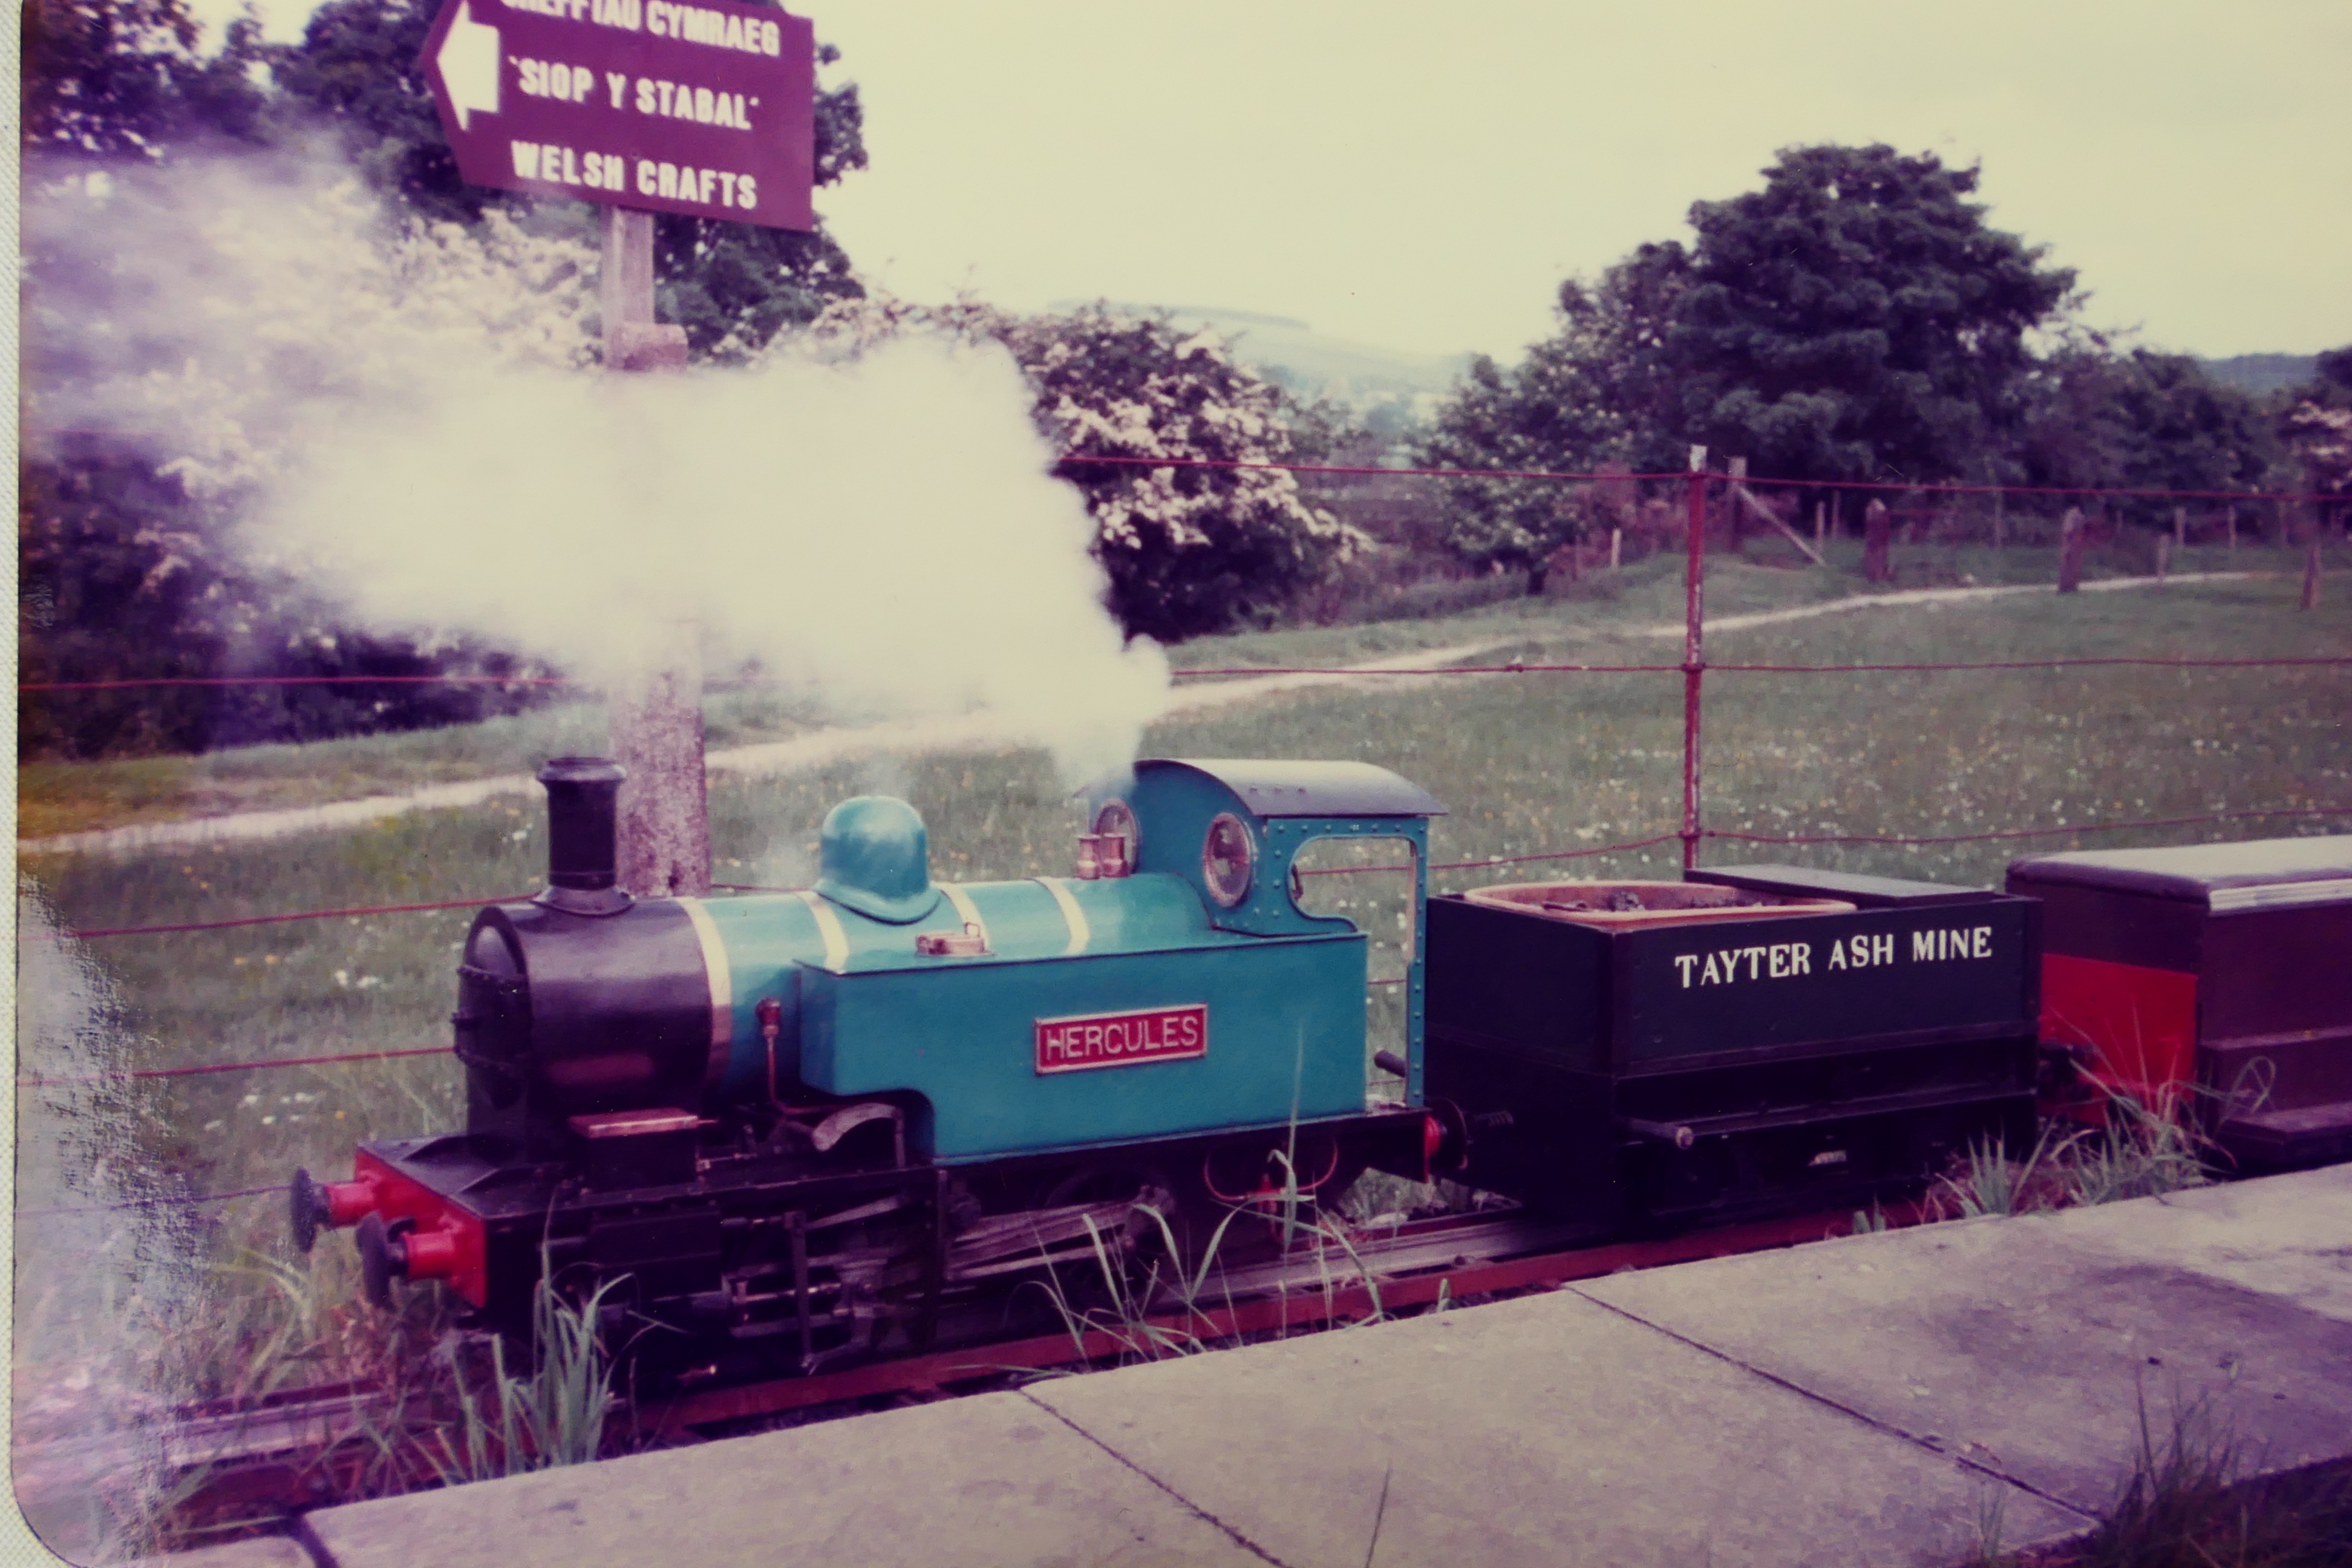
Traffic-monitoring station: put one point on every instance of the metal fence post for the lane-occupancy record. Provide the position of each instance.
(1693, 663)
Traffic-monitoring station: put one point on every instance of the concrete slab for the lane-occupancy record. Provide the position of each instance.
(2026, 1345)
(2287, 1236)
(972, 1483)
(260, 1551)
(1546, 1430)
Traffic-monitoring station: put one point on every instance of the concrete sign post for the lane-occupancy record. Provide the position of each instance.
(707, 111)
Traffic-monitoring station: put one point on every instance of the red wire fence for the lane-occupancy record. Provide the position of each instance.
(1693, 667)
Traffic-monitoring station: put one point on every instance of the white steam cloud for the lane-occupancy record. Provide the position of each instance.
(409, 411)
(884, 531)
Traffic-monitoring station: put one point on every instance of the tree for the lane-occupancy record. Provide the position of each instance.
(1188, 550)
(730, 286)
(356, 70)
(180, 354)
(2092, 416)
(120, 578)
(1855, 319)
(1594, 395)
(115, 79)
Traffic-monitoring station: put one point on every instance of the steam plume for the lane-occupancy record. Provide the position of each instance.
(402, 415)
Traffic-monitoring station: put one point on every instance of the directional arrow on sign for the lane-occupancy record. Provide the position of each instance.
(469, 64)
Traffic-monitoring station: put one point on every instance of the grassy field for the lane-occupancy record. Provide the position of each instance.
(1528, 765)
(67, 797)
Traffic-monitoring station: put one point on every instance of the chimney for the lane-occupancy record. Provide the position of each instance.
(582, 874)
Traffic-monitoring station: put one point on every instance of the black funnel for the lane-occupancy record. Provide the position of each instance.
(582, 858)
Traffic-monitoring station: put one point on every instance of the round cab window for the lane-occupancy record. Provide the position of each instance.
(1226, 859)
(1116, 817)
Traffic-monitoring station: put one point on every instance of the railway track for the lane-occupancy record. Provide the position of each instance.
(232, 1460)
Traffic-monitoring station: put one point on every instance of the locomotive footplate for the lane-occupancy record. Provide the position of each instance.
(785, 1268)
(814, 1265)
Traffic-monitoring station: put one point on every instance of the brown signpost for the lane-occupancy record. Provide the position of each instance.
(703, 109)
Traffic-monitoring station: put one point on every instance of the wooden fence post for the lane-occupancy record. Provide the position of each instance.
(2163, 555)
(2070, 551)
(1616, 547)
(2180, 527)
(1875, 566)
(2314, 530)
(2232, 511)
(1820, 525)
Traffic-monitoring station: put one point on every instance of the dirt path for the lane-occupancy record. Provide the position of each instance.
(823, 746)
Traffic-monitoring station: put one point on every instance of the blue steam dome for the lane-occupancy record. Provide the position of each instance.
(875, 857)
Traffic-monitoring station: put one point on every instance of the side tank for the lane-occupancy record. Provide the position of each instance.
(1186, 991)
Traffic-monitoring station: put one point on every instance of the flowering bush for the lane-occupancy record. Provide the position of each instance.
(1188, 549)
(2317, 425)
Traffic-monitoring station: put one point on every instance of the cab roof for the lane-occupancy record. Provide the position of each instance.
(1277, 788)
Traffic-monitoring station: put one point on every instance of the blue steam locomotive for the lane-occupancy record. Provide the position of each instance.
(793, 1127)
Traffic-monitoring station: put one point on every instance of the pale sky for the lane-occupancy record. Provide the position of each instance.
(1420, 177)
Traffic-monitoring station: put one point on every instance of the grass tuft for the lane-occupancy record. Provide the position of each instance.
(1988, 1180)
(2183, 1505)
(2144, 1150)
(555, 1415)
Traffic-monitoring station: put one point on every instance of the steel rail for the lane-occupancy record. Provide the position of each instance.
(1310, 1303)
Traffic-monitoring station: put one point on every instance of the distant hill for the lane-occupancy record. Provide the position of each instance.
(2262, 373)
(1369, 379)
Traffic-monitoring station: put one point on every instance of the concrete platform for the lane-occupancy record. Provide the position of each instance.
(260, 1551)
(991, 1480)
(1539, 1431)
(2030, 1347)
(1871, 1400)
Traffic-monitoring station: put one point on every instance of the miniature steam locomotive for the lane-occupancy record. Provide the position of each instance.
(785, 1129)
(769, 1131)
